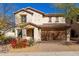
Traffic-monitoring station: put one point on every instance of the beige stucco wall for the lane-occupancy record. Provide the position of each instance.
(37, 35)
(62, 20)
(37, 18)
(18, 17)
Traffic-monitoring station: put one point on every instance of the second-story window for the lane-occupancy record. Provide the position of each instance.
(23, 18)
(57, 20)
(50, 19)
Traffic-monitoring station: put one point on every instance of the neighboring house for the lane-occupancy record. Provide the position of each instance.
(41, 26)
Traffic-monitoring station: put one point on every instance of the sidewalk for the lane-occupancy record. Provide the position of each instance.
(41, 54)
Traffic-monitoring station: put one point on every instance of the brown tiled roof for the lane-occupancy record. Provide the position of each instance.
(50, 26)
(54, 15)
(29, 24)
(33, 25)
(30, 8)
(45, 15)
(23, 10)
(55, 26)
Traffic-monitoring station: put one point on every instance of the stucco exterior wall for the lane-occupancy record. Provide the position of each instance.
(37, 18)
(18, 17)
(62, 20)
(37, 36)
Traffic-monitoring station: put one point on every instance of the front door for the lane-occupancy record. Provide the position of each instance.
(19, 33)
(30, 33)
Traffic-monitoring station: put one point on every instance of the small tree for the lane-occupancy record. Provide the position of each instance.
(5, 18)
(70, 10)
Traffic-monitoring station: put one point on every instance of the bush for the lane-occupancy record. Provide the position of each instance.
(13, 43)
(2, 37)
(31, 41)
(7, 40)
(19, 43)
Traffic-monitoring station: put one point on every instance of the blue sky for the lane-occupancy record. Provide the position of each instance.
(44, 7)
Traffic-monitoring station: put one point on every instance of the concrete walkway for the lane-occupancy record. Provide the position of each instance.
(71, 53)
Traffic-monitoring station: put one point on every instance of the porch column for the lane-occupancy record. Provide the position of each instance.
(39, 34)
(16, 32)
(68, 35)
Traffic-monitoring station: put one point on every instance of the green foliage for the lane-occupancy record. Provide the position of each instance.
(2, 37)
(70, 10)
(3, 24)
(13, 30)
(5, 18)
(64, 5)
(5, 40)
(9, 38)
(31, 41)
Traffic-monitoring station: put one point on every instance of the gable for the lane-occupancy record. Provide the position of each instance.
(24, 11)
(34, 10)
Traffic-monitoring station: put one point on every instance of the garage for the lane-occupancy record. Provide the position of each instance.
(55, 31)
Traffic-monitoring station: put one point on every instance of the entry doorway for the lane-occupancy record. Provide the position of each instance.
(30, 33)
(19, 33)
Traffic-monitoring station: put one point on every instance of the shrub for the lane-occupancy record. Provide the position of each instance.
(2, 37)
(13, 43)
(31, 41)
(19, 43)
(7, 40)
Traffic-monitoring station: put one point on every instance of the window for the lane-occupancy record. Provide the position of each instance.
(23, 18)
(50, 19)
(57, 20)
(77, 18)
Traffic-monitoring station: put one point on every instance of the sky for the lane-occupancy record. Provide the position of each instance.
(44, 7)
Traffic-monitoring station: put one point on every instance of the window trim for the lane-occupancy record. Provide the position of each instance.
(25, 18)
(57, 20)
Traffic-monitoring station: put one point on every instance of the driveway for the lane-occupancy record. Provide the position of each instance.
(48, 47)
(56, 48)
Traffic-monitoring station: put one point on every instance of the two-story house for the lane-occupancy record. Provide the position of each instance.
(41, 26)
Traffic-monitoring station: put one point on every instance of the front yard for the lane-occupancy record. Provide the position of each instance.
(48, 47)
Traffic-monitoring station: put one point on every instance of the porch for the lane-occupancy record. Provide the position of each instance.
(30, 30)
